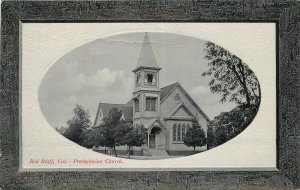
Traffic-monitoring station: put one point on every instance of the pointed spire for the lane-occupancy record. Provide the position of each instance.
(147, 57)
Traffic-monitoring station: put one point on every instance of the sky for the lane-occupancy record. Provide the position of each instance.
(101, 71)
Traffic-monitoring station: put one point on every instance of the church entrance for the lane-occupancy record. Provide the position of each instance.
(152, 141)
(156, 139)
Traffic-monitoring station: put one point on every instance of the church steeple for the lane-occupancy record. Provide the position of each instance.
(146, 95)
(147, 70)
(146, 58)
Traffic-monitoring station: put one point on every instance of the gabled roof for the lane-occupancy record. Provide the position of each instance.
(106, 107)
(129, 103)
(127, 109)
(181, 105)
(166, 90)
(172, 87)
(150, 123)
(147, 58)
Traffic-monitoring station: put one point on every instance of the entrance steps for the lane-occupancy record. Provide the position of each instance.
(154, 152)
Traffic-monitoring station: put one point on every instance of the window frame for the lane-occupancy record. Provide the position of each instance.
(154, 81)
(138, 76)
(136, 105)
(179, 134)
(150, 104)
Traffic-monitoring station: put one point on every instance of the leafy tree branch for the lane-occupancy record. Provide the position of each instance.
(231, 77)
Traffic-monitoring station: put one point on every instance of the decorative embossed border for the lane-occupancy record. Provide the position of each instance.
(285, 13)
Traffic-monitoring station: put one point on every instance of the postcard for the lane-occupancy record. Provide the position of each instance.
(153, 96)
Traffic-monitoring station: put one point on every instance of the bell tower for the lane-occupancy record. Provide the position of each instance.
(146, 95)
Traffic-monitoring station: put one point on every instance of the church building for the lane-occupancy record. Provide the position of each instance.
(165, 112)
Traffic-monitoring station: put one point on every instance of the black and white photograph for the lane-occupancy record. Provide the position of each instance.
(149, 95)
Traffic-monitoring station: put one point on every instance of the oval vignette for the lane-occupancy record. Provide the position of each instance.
(149, 95)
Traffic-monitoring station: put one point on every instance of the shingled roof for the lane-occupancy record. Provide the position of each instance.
(166, 90)
(106, 107)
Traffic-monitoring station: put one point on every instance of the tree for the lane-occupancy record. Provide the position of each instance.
(195, 136)
(229, 124)
(92, 137)
(211, 137)
(88, 138)
(231, 77)
(79, 123)
(103, 139)
(135, 136)
(114, 128)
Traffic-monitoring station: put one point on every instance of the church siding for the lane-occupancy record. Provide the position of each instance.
(143, 116)
(167, 106)
(168, 136)
(170, 103)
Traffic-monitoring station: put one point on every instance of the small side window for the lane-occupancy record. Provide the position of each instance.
(136, 105)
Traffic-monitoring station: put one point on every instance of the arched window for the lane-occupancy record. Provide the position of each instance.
(136, 105)
(174, 132)
(179, 133)
(138, 80)
(150, 79)
(183, 132)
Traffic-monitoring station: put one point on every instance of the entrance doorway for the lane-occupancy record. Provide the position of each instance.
(156, 139)
(152, 144)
